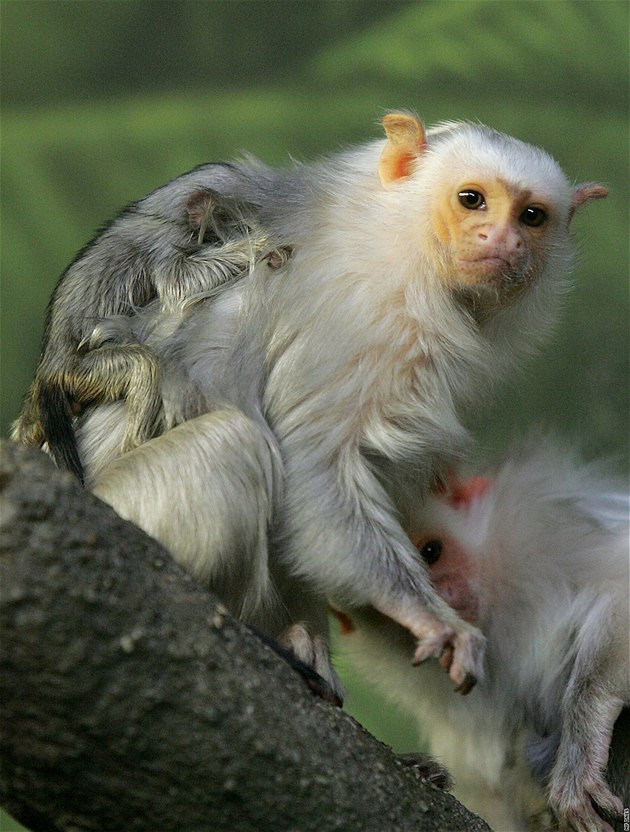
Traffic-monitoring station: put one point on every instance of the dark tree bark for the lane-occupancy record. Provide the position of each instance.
(132, 701)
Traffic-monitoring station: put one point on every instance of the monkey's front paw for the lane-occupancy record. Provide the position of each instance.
(458, 646)
(572, 804)
(460, 653)
(583, 819)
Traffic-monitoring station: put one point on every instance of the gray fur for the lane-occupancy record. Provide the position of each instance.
(185, 238)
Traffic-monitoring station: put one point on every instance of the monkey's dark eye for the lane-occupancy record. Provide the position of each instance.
(471, 199)
(533, 216)
(431, 551)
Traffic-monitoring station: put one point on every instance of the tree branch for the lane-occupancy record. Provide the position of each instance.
(131, 699)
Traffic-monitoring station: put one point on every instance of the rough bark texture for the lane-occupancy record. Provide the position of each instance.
(132, 701)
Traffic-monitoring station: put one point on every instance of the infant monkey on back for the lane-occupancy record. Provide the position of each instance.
(179, 244)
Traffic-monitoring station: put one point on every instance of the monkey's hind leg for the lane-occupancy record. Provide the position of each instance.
(205, 490)
(108, 373)
(129, 372)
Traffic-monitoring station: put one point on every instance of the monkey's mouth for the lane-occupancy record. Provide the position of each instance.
(490, 262)
(490, 270)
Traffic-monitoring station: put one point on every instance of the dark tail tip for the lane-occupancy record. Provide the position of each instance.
(57, 424)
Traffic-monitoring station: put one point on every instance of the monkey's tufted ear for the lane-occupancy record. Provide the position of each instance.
(405, 142)
(582, 193)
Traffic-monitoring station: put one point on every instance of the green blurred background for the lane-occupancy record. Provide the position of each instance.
(105, 100)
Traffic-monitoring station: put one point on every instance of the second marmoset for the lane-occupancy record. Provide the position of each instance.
(536, 553)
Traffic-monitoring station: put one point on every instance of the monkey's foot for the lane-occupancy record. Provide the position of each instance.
(28, 430)
(428, 768)
(572, 803)
(312, 652)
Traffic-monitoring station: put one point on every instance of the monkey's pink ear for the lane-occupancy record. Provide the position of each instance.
(465, 492)
(406, 140)
(582, 193)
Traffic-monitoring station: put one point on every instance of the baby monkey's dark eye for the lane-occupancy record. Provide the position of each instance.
(431, 551)
(534, 216)
(471, 199)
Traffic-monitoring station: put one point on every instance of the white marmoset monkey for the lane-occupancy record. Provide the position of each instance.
(535, 553)
(311, 397)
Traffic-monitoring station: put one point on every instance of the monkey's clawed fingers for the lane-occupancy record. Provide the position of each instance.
(459, 653)
(606, 800)
(581, 816)
(428, 768)
(583, 822)
(467, 685)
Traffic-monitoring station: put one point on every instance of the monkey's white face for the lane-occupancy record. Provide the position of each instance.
(492, 232)
(499, 208)
(454, 572)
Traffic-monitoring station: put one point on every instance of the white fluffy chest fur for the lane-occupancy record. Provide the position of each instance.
(376, 359)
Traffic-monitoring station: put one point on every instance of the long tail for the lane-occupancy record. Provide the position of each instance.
(56, 421)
